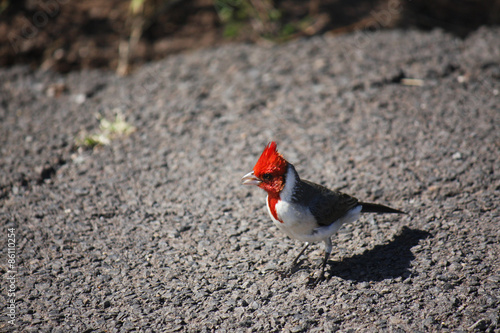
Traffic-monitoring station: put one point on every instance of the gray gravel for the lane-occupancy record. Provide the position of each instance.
(154, 232)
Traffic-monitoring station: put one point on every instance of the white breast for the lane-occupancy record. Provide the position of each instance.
(298, 221)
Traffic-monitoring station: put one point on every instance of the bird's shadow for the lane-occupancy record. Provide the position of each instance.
(384, 261)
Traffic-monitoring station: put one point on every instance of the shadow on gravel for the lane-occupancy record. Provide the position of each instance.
(385, 261)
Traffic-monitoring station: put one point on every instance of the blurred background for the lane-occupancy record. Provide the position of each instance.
(119, 35)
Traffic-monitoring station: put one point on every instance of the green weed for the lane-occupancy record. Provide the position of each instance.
(108, 130)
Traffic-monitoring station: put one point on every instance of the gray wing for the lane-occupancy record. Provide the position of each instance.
(326, 205)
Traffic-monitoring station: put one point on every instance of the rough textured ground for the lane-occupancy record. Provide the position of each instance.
(155, 233)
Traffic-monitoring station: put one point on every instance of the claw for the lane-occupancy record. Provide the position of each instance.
(313, 282)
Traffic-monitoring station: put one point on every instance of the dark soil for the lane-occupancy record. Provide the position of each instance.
(64, 35)
(154, 232)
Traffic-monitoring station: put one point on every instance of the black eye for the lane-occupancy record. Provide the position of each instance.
(267, 176)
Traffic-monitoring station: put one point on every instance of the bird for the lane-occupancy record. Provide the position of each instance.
(302, 209)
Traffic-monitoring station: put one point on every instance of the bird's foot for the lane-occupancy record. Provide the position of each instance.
(286, 273)
(289, 271)
(283, 274)
(313, 282)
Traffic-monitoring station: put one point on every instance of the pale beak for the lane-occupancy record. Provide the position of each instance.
(250, 179)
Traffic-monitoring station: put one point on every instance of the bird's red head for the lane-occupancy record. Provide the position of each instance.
(270, 169)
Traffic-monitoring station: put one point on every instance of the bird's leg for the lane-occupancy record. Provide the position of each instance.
(289, 271)
(294, 262)
(328, 251)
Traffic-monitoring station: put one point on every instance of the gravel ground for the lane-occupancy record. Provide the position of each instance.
(155, 233)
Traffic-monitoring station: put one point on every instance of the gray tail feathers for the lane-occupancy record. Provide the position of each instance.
(376, 208)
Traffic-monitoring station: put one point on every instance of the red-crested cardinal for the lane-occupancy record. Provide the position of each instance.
(304, 210)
